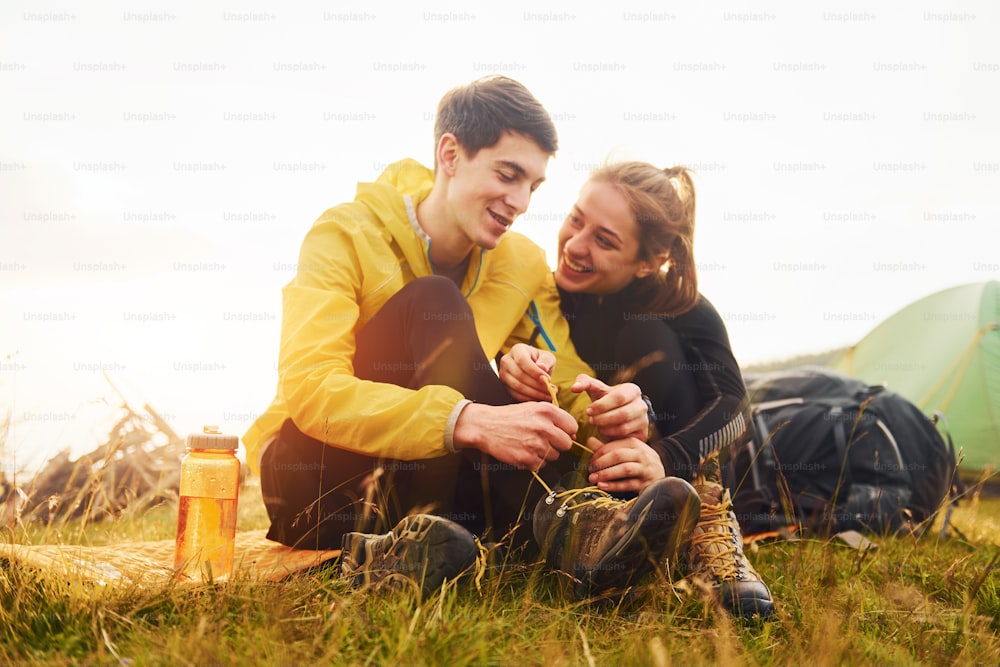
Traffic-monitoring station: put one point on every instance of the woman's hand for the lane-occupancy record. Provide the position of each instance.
(525, 371)
(616, 412)
(623, 465)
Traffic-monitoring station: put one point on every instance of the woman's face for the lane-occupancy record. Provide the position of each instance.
(599, 243)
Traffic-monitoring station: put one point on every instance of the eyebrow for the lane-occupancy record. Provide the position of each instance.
(609, 232)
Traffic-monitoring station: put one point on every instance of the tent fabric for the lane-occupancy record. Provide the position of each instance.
(942, 352)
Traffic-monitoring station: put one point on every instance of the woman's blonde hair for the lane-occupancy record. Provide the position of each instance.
(662, 201)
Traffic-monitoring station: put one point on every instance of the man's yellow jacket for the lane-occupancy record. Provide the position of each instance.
(353, 259)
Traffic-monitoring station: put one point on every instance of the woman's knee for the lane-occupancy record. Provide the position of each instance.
(641, 338)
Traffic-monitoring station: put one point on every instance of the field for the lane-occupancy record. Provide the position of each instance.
(930, 601)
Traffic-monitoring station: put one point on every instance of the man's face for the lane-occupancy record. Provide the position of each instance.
(488, 191)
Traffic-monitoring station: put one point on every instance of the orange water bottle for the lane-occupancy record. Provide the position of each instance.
(206, 518)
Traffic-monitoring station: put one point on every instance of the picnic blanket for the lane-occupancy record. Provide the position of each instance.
(152, 563)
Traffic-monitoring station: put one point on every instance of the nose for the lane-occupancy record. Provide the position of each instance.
(519, 197)
(574, 243)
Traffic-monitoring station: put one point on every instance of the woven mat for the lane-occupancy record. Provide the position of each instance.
(152, 563)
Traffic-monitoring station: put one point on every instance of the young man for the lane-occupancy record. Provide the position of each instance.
(387, 405)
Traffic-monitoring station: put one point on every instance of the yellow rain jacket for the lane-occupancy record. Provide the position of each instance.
(353, 259)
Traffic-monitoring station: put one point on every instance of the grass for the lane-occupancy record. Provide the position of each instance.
(929, 601)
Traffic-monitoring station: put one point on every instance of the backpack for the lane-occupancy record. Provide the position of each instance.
(831, 453)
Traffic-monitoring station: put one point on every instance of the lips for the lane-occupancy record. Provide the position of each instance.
(499, 218)
(573, 266)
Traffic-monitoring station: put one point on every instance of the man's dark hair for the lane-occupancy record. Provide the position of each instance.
(479, 113)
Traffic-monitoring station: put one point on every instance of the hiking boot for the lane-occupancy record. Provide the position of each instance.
(421, 549)
(715, 555)
(605, 543)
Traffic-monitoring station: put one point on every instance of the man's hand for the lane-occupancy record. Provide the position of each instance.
(616, 412)
(525, 371)
(524, 435)
(623, 465)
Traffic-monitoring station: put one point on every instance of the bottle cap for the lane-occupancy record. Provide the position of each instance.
(212, 438)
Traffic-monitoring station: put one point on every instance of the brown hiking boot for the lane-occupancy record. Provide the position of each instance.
(422, 550)
(605, 543)
(715, 555)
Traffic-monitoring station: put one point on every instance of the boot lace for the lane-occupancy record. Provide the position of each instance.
(712, 545)
(592, 495)
(481, 564)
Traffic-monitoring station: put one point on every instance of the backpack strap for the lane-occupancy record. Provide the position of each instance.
(760, 451)
(836, 414)
(763, 449)
(761, 464)
(903, 468)
(764, 433)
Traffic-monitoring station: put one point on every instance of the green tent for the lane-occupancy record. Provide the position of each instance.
(942, 352)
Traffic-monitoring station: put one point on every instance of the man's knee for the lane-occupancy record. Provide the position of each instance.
(436, 295)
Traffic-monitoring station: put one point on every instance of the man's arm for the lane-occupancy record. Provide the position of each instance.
(321, 309)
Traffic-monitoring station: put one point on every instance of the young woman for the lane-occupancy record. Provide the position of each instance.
(628, 287)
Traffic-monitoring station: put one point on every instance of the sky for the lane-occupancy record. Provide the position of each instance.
(160, 164)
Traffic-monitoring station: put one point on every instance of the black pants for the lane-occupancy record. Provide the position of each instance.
(316, 492)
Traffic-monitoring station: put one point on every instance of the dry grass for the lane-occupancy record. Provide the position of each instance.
(932, 601)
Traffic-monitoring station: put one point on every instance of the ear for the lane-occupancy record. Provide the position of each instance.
(448, 150)
(650, 266)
